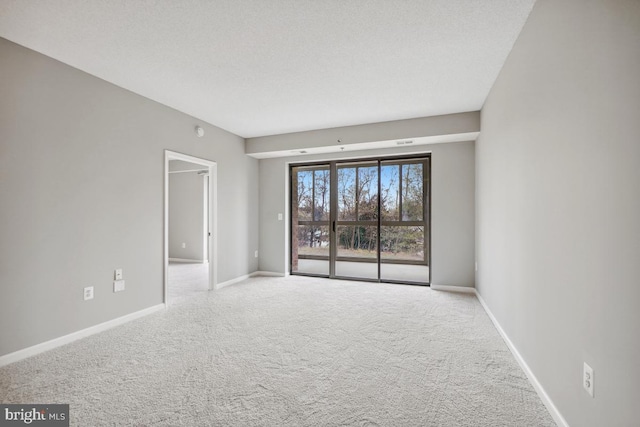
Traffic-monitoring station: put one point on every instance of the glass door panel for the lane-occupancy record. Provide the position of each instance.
(402, 251)
(404, 227)
(310, 213)
(357, 251)
(357, 220)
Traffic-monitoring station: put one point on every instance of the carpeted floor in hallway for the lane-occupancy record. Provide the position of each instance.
(187, 280)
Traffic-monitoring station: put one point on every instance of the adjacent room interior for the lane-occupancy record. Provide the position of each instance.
(321, 213)
(188, 239)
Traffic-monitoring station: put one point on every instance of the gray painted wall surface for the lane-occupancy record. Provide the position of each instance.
(81, 185)
(452, 211)
(558, 208)
(186, 215)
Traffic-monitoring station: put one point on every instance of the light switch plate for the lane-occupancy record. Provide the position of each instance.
(118, 274)
(118, 285)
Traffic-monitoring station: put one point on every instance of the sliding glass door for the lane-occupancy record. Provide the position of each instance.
(310, 207)
(365, 219)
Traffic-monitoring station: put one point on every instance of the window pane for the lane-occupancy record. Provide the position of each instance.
(402, 243)
(304, 195)
(357, 242)
(368, 193)
(313, 240)
(322, 191)
(346, 194)
(412, 191)
(390, 196)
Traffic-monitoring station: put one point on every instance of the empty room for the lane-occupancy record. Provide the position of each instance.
(320, 213)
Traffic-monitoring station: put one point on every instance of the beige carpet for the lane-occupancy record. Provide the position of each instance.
(187, 280)
(290, 352)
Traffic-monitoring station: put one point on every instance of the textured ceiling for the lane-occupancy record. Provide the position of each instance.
(266, 67)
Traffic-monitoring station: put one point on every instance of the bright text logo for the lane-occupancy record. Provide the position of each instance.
(36, 415)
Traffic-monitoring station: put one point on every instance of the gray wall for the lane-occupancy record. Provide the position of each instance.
(81, 190)
(452, 212)
(558, 204)
(186, 215)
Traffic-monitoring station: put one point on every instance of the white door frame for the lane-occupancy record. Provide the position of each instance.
(213, 215)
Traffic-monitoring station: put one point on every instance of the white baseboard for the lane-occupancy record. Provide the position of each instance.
(546, 400)
(74, 336)
(267, 274)
(247, 276)
(449, 288)
(232, 281)
(192, 261)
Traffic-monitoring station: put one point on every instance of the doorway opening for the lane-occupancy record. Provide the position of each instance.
(364, 220)
(190, 226)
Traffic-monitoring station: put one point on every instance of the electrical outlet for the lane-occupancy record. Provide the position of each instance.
(118, 285)
(184, 245)
(118, 274)
(255, 254)
(279, 217)
(476, 265)
(88, 293)
(587, 379)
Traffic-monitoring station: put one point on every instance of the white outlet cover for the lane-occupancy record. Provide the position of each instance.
(88, 293)
(118, 286)
(588, 379)
(279, 217)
